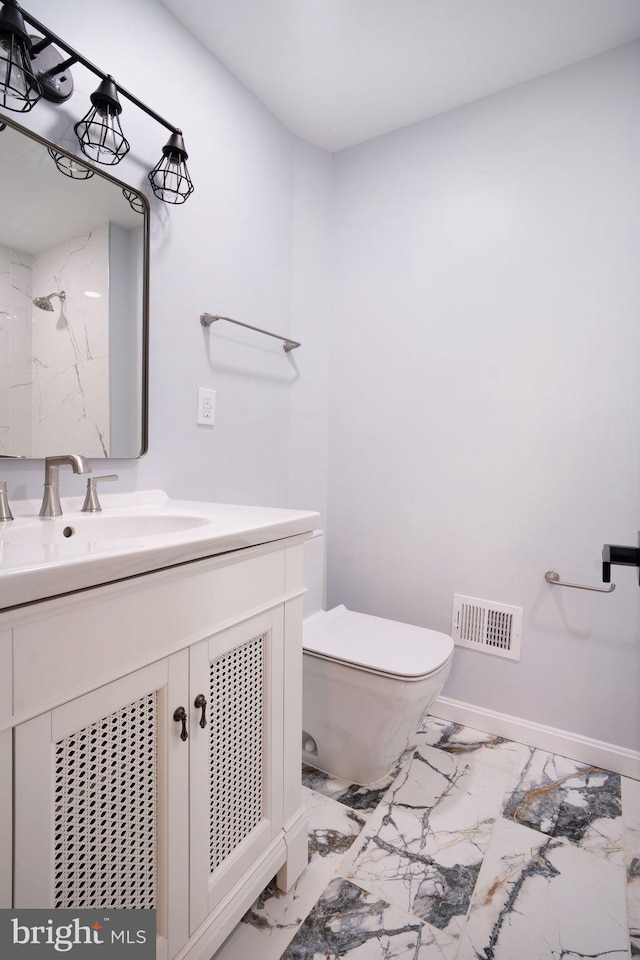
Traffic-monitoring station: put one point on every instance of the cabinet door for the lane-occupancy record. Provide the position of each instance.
(236, 759)
(98, 781)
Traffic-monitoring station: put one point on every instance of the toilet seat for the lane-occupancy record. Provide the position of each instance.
(386, 647)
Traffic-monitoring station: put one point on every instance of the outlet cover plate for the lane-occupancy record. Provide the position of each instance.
(206, 414)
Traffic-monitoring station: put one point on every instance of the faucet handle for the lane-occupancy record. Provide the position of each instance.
(91, 503)
(5, 509)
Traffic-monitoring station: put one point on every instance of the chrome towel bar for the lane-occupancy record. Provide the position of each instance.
(552, 577)
(206, 319)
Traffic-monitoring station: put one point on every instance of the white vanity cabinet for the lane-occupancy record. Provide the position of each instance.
(157, 744)
(6, 762)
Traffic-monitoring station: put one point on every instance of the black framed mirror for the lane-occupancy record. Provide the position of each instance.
(74, 274)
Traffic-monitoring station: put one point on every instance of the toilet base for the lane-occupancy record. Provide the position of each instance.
(361, 722)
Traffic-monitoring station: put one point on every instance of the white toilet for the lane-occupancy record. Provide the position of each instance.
(366, 682)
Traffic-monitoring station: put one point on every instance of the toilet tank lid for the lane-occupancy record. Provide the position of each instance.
(385, 646)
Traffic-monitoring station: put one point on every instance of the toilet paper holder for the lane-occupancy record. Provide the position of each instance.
(613, 553)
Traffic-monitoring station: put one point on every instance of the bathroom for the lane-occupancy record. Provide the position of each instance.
(464, 410)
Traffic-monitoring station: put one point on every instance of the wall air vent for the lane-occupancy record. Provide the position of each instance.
(490, 627)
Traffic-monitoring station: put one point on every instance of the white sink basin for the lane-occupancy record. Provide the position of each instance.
(137, 533)
(95, 529)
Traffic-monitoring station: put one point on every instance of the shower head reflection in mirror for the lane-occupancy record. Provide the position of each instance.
(44, 303)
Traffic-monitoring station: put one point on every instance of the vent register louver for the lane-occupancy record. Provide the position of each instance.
(494, 628)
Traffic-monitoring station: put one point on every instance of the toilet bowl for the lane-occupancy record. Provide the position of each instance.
(367, 682)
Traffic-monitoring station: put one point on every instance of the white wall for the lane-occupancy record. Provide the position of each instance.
(312, 305)
(228, 250)
(485, 398)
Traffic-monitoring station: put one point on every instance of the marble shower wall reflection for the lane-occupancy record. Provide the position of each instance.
(54, 367)
(71, 348)
(15, 352)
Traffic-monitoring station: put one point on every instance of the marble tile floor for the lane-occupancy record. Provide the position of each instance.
(475, 848)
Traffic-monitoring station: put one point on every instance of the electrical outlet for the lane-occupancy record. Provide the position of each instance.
(206, 407)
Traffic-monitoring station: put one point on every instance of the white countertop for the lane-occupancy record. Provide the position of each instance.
(37, 571)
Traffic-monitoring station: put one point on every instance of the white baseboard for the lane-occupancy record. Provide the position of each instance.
(618, 759)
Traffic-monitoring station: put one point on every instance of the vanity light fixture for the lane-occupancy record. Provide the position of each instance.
(32, 67)
(19, 87)
(70, 166)
(170, 178)
(135, 200)
(99, 132)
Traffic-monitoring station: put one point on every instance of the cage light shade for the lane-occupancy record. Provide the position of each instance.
(135, 200)
(19, 88)
(69, 166)
(99, 132)
(169, 179)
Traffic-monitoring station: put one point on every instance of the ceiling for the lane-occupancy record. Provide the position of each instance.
(338, 72)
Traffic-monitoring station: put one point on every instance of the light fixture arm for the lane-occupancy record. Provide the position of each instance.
(74, 57)
(58, 67)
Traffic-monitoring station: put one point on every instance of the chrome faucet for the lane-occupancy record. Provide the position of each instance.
(5, 509)
(51, 506)
(91, 503)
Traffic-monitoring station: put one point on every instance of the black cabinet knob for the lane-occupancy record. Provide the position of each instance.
(200, 703)
(180, 716)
